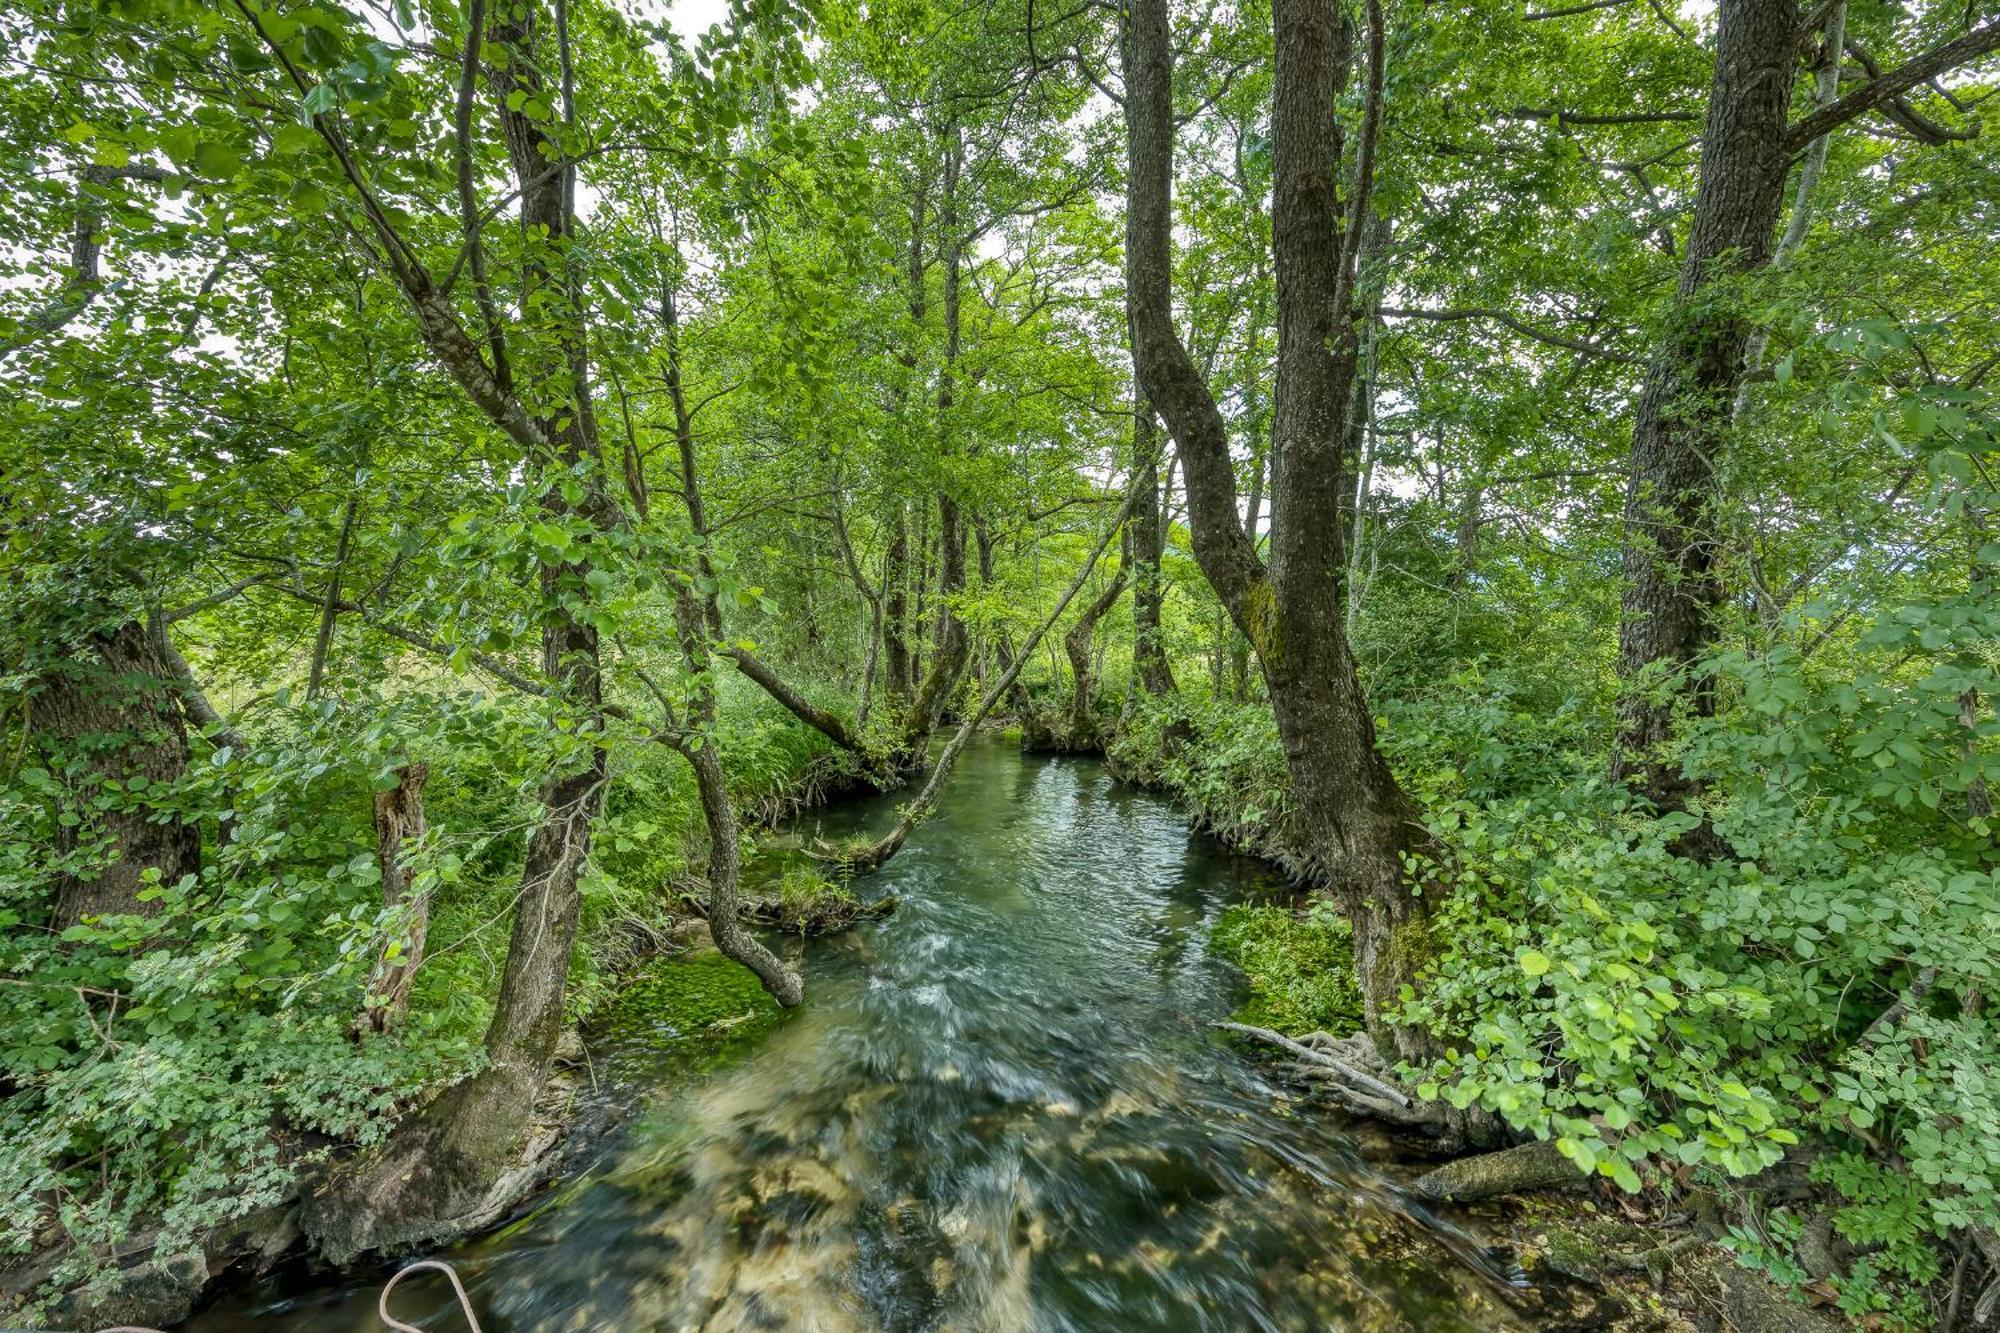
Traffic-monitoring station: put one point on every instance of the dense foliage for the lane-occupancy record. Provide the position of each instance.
(465, 465)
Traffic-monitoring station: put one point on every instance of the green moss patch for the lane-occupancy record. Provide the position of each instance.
(1300, 966)
(692, 1012)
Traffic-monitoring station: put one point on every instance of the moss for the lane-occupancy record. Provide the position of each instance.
(1300, 967)
(694, 1011)
(1262, 624)
(1413, 946)
(805, 900)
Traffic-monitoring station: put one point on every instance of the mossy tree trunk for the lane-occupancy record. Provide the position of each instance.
(1358, 819)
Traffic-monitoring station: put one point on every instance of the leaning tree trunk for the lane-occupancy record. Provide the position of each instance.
(114, 703)
(1672, 588)
(1357, 819)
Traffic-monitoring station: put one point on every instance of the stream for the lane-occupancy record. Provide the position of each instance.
(1001, 1108)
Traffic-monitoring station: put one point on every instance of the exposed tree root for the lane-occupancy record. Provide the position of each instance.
(1350, 1072)
(1529, 1166)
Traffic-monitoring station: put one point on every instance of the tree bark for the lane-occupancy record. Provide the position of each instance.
(896, 675)
(1671, 585)
(1358, 820)
(1150, 666)
(399, 819)
(1672, 520)
(114, 703)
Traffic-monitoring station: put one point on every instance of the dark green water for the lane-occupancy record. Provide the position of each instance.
(1001, 1108)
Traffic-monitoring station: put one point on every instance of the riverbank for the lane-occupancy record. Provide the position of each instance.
(645, 975)
(1657, 1264)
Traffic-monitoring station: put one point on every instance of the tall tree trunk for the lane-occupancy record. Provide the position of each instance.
(1239, 650)
(1150, 666)
(1671, 585)
(114, 703)
(1358, 820)
(452, 1166)
(954, 643)
(399, 818)
(897, 677)
(1826, 89)
(1083, 731)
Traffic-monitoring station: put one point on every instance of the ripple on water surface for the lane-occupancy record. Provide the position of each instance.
(1001, 1108)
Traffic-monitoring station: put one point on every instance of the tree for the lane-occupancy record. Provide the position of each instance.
(1360, 823)
(1673, 582)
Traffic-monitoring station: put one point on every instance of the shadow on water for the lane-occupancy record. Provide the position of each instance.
(1001, 1108)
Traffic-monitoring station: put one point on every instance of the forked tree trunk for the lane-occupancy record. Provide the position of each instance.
(115, 703)
(1358, 820)
(399, 819)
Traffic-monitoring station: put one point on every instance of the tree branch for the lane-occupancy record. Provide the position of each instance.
(1878, 92)
(1460, 313)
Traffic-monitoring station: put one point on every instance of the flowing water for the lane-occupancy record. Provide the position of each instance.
(1001, 1108)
